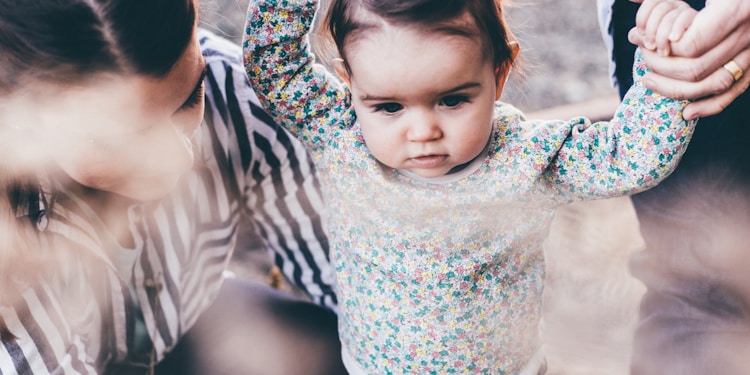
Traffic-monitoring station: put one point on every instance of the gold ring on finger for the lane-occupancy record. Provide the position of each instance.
(734, 70)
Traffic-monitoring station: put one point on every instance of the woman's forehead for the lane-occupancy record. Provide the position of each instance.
(111, 97)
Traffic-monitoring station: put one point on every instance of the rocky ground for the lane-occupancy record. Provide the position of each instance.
(591, 300)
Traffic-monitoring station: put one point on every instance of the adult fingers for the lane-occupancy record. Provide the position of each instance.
(690, 69)
(713, 92)
(717, 103)
(713, 25)
(714, 84)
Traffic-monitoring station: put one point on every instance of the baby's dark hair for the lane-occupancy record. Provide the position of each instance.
(344, 21)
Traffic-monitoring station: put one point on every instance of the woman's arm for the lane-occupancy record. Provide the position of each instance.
(273, 173)
(43, 341)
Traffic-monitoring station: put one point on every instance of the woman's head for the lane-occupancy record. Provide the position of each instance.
(110, 89)
(67, 41)
(98, 87)
(424, 77)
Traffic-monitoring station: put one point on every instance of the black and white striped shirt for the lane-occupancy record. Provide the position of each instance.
(79, 319)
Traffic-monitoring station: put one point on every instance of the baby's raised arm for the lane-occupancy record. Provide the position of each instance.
(298, 93)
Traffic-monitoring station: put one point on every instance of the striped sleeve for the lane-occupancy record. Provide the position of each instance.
(273, 175)
(43, 343)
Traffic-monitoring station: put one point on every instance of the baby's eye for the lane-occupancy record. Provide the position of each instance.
(388, 107)
(454, 100)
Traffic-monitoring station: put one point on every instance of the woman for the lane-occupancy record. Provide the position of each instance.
(122, 197)
(694, 317)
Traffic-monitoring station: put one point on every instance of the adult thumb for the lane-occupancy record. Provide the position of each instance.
(710, 26)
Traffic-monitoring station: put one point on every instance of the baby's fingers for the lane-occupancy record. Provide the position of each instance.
(665, 17)
(663, 30)
(649, 24)
(681, 23)
(672, 27)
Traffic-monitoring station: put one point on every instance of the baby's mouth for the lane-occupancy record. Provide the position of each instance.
(428, 161)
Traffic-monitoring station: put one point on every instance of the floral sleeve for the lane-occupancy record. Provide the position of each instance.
(300, 95)
(639, 147)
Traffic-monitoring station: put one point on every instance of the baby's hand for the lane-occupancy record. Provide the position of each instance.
(661, 22)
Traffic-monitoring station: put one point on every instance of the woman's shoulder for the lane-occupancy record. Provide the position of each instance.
(214, 46)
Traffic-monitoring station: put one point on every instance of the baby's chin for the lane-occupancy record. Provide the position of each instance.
(429, 172)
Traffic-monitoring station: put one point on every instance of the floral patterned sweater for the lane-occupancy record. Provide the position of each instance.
(445, 275)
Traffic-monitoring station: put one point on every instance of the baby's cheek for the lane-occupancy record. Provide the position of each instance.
(385, 148)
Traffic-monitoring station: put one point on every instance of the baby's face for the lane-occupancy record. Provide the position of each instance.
(425, 100)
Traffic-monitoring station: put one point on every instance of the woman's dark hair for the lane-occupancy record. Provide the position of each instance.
(66, 41)
(344, 21)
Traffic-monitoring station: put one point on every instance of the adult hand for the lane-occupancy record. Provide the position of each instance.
(695, 70)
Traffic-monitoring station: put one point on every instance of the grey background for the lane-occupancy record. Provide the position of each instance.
(564, 59)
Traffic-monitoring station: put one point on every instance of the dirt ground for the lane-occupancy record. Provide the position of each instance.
(591, 301)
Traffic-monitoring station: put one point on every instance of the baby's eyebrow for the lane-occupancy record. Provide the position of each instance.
(468, 85)
(378, 98)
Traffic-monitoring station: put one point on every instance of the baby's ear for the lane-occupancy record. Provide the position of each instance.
(339, 66)
(503, 71)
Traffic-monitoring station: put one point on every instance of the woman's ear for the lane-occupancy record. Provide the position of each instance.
(339, 66)
(503, 71)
